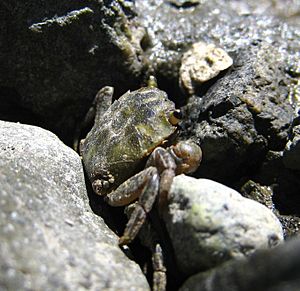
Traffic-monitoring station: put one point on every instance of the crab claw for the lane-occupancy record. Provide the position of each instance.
(188, 156)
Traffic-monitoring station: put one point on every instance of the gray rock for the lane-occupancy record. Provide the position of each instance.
(209, 223)
(55, 56)
(49, 237)
(277, 269)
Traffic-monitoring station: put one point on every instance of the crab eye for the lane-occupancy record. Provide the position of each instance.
(175, 117)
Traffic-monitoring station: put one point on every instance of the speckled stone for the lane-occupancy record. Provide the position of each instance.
(49, 237)
(210, 223)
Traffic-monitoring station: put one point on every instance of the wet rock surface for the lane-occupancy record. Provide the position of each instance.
(217, 22)
(49, 237)
(238, 122)
(210, 223)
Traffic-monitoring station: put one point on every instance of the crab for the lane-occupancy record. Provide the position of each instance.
(124, 154)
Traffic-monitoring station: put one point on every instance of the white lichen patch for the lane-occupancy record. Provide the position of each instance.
(61, 21)
(294, 96)
(201, 63)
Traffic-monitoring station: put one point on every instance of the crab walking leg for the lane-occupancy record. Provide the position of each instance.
(139, 214)
(166, 166)
(101, 103)
(166, 179)
(132, 188)
(159, 270)
(134, 224)
(144, 186)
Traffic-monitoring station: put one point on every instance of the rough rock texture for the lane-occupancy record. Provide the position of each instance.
(265, 196)
(215, 21)
(209, 223)
(243, 115)
(286, 10)
(55, 55)
(49, 237)
(240, 116)
(269, 270)
(200, 64)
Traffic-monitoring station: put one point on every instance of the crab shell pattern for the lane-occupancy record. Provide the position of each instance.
(131, 128)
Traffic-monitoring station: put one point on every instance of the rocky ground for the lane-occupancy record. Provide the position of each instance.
(231, 226)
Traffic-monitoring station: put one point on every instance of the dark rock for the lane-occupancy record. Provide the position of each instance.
(243, 115)
(182, 26)
(291, 155)
(57, 55)
(240, 115)
(277, 269)
(290, 225)
(285, 183)
(50, 238)
(261, 194)
(217, 22)
(265, 196)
